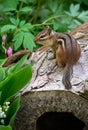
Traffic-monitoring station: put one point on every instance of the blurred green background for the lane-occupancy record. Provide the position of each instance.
(21, 20)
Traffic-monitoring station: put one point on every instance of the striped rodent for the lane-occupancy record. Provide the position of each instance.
(66, 50)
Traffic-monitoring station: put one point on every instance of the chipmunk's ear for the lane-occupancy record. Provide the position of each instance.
(48, 28)
(50, 31)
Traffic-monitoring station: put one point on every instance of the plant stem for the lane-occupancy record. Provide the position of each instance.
(20, 7)
(45, 22)
(41, 24)
(54, 17)
(17, 30)
(4, 48)
(34, 18)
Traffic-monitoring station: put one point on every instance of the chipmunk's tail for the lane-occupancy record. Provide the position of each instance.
(67, 76)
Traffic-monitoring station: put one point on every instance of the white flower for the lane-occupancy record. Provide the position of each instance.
(0, 109)
(6, 106)
(2, 114)
(2, 121)
(7, 103)
(6, 109)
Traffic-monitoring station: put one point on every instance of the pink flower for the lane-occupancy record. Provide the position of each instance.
(9, 51)
(4, 38)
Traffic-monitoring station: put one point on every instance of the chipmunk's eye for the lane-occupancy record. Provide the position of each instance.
(42, 36)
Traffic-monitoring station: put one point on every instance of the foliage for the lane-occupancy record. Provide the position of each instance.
(22, 19)
(21, 33)
(10, 85)
(5, 127)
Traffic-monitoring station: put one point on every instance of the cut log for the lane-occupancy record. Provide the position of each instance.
(46, 93)
(34, 104)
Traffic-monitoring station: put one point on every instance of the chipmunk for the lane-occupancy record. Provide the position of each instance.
(65, 48)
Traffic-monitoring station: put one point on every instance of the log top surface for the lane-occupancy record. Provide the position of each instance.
(48, 76)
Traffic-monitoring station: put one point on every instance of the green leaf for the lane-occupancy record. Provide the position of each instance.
(53, 6)
(26, 27)
(20, 63)
(72, 25)
(2, 127)
(83, 16)
(14, 21)
(2, 61)
(10, 5)
(74, 9)
(2, 74)
(22, 23)
(28, 42)
(14, 83)
(68, 13)
(59, 27)
(77, 22)
(18, 40)
(7, 28)
(11, 113)
(26, 38)
(26, 9)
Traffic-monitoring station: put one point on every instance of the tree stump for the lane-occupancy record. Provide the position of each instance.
(46, 93)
